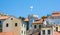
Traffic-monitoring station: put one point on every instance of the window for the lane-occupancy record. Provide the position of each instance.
(15, 24)
(39, 26)
(11, 18)
(22, 25)
(56, 28)
(34, 26)
(0, 30)
(48, 31)
(31, 25)
(22, 32)
(43, 31)
(0, 21)
(47, 22)
(7, 25)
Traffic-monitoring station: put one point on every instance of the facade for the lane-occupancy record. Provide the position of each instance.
(47, 31)
(37, 24)
(44, 28)
(2, 19)
(23, 27)
(11, 24)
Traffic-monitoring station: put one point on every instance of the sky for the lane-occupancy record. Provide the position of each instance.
(25, 7)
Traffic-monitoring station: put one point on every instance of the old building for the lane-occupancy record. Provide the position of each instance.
(47, 30)
(10, 24)
(23, 27)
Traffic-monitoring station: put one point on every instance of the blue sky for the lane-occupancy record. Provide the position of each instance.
(22, 7)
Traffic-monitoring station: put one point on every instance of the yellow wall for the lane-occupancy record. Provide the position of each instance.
(58, 27)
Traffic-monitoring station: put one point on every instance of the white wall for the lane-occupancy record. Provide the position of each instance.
(23, 28)
(46, 31)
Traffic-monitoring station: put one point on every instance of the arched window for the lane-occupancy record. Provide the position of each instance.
(15, 24)
(7, 25)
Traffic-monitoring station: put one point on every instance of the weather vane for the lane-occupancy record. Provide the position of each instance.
(31, 7)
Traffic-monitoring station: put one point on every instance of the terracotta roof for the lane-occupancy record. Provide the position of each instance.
(26, 19)
(56, 33)
(38, 22)
(56, 14)
(4, 17)
(9, 33)
(53, 17)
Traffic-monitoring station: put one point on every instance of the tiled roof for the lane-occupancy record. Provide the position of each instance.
(38, 22)
(4, 17)
(56, 33)
(9, 33)
(56, 14)
(26, 19)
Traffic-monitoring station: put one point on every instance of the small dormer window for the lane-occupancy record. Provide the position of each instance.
(11, 18)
